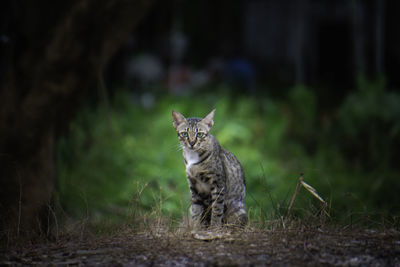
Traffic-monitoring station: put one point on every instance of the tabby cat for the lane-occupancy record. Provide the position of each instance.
(215, 176)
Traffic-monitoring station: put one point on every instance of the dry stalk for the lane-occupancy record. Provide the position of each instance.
(55, 221)
(310, 189)
(295, 193)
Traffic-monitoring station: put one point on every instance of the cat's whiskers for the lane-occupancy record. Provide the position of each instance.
(174, 147)
(178, 147)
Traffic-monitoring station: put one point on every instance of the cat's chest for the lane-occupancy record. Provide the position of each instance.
(199, 170)
(191, 158)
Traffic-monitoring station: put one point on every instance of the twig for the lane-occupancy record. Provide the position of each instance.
(299, 183)
(310, 189)
(55, 220)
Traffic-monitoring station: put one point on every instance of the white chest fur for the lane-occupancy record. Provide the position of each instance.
(191, 158)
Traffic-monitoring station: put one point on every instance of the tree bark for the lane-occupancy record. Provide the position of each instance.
(359, 37)
(379, 36)
(50, 65)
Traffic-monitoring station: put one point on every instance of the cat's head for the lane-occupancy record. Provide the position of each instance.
(193, 132)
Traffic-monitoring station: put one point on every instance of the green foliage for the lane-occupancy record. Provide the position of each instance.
(126, 162)
(303, 105)
(366, 134)
(369, 123)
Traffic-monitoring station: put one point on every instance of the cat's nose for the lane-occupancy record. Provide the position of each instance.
(192, 142)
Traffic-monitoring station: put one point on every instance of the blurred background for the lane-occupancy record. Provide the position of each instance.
(299, 87)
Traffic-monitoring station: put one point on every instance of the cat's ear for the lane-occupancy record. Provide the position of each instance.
(208, 120)
(178, 118)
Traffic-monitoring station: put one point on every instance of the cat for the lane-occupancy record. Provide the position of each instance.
(216, 178)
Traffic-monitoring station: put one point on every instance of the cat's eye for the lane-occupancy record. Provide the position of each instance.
(184, 134)
(200, 135)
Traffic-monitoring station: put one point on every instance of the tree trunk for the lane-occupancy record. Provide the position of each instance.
(56, 52)
(379, 36)
(359, 37)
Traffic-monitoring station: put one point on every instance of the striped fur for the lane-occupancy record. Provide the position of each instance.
(215, 176)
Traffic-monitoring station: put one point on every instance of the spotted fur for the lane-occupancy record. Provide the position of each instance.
(215, 176)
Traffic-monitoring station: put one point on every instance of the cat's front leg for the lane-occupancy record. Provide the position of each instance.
(196, 213)
(197, 208)
(218, 200)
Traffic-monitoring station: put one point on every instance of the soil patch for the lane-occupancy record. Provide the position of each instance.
(243, 248)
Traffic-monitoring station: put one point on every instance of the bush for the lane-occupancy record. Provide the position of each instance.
(369, 125)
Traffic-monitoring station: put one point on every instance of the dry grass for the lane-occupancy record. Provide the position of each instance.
(152, 239)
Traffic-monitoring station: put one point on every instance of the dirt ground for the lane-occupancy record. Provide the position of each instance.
(249, 247)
